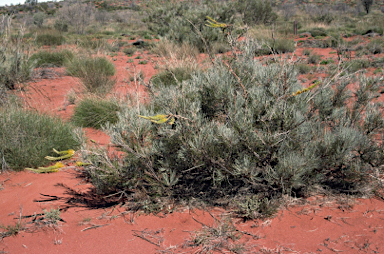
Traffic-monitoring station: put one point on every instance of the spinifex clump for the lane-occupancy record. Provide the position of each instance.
(246, 134)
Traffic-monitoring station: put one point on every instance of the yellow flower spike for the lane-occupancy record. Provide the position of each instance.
(159, 119)
(213, 23)
(66, 155)
(81, 164)
(49, 169)
(307, 89)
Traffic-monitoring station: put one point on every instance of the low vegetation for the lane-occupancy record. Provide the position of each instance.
(27, 137)
(95, 112)
(96, 73)
(233, 131)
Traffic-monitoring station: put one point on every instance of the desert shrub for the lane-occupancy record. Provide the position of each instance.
(76, 14)
(50, 39)
(375, 46)
(48, 58)
(276, 46)
(95, 112)
(102, 16)
(95, 73)
(313, 59)
(129, 51)
(288, 10)
(38, 19)
(256, 12)
(15, 67)
(61, 25)
(243, 131)
(303, 68)
(318, 31)
(89, 43)
(169, 49)
(26, 137)
(282, 45)
(356, 64)
(171, 20)
(172, 76)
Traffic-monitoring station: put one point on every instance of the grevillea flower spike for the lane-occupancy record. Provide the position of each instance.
(49, 169)
(67, 154)
(81, 164)
(159, 119)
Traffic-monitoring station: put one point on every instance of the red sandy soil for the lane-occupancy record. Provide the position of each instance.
(320, 225)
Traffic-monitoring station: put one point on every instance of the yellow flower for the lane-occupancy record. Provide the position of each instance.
(80, 163)
(65, 155)
(49, 169)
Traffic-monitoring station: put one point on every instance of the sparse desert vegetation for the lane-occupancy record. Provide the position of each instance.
(243, 105)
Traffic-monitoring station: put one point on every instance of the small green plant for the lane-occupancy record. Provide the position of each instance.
(327, 61)
(138, 57)
(129, 51)
(10, 230)
(313, 58)
(222, 236)
(303, 68)
(51, 58)
(27, 137)
(50, 39)
(143, 62)
(93, 112)
(315, 32)
(95, 73)
(172, 76)
(52, 216)
(307, 52)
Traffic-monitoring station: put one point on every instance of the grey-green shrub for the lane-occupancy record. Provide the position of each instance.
(95, 112)
(38, 19)
(26, 137)
(235, 139)
(96, 73)
(61, 25)
(171, 20)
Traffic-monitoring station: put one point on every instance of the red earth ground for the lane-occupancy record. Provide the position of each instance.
(316, 225)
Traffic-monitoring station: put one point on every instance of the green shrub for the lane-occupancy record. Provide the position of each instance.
(49, 39)
(94, 112)
(303, 68)
(38, 19)
(313, 59)
(172, 76)
(327, 61)
(283, 45)
(129, 51)
(356, 64)
(318, 32)
(61, 25)
(15, 66)
(375, 46)
(230, 136)
(55, 58)
(26, 137)
(171, 20)
(95, 73)
(256, 12)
